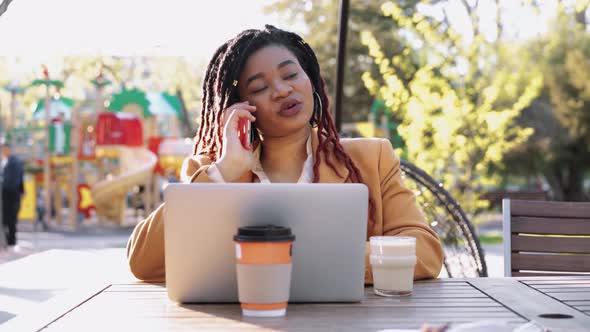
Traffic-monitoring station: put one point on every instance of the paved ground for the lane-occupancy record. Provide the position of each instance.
(494, 256)
(88, 235)
(491, 224)
(92, 235)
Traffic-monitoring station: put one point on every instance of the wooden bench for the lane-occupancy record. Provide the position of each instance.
(546, 238)
(495, 198)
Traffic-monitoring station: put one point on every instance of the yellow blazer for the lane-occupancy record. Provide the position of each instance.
(396, 210)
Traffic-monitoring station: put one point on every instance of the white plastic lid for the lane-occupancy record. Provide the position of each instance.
(392, 239)
(393, 245)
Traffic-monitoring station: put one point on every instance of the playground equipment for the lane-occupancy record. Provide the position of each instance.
(95, 157)
(47, 83)
(119, 136)
(130, 140)
(171, 154)
(31, 141)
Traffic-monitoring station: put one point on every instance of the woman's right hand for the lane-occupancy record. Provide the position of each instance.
(235, 159)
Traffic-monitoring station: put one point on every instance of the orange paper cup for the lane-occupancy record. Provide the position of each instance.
(263, 267)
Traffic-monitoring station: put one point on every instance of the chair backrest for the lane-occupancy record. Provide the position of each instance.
(464, 256)
(546, 238)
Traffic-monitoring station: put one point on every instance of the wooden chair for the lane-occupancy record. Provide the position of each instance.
(546, 238)
(464, 256)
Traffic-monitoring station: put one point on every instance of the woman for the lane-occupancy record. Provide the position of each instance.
(272, 78)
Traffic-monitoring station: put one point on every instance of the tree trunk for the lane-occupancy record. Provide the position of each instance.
(576, 169)
(574, 190)
(553, 178)
(474, 19)
(499, 24)
(581, 16)
(566, 174)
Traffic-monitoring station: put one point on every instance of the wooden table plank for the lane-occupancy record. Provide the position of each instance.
(563, 289)
(575, 295)
(229, 324)
(560, 286)
(135, 304)
(531, 303)
(229, 317)
(568, 296)
(418, 293)
(53, 309)
(28, 284)
(198, 311)
(146, 307)
(559, 282)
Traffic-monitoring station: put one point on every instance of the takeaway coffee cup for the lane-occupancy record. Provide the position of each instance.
(263, 258)
(393, 259)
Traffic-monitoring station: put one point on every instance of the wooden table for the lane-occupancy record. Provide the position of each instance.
(136, 306)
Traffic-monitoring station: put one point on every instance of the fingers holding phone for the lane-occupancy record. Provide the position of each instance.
(236, 157)
(226, 115)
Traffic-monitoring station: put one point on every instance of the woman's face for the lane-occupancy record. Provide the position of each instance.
(274, 81)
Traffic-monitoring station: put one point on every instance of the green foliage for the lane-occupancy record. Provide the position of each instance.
(567, 73)
(457, 100)
(492, 238)
(560, 148)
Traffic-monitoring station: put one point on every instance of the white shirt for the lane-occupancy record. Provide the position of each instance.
(306, 172)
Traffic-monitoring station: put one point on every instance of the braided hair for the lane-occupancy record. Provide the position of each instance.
(220, 92)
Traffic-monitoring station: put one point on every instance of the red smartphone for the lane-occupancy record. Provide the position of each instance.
(245, 133)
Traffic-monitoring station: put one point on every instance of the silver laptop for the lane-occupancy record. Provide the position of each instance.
(328, 220)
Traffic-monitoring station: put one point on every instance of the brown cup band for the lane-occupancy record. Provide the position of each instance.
(263, 252)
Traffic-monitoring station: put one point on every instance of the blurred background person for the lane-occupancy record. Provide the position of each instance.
(12, 191)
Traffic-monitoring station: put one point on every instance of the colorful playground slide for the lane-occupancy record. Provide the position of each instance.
(109, 195)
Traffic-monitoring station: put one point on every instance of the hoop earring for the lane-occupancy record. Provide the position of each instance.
(317, 111)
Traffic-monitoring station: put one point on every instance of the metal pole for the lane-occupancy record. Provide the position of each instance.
(341, 59)
(74, 147)
(46, 164)
(99, 100)
(12, 109)
(2, 138)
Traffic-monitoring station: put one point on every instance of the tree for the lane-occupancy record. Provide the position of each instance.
(560, 147)
(457, 98)
(12, 71)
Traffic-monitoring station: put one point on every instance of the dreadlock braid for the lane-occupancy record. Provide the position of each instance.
(203, 138)
(219, 92)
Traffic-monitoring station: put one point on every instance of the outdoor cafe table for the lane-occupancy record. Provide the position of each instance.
(558, 303)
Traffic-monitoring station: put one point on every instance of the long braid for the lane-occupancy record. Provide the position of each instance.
(327, 128)
(219, 92)
(203, 139)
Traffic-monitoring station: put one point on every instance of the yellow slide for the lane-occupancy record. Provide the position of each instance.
(109, 195)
